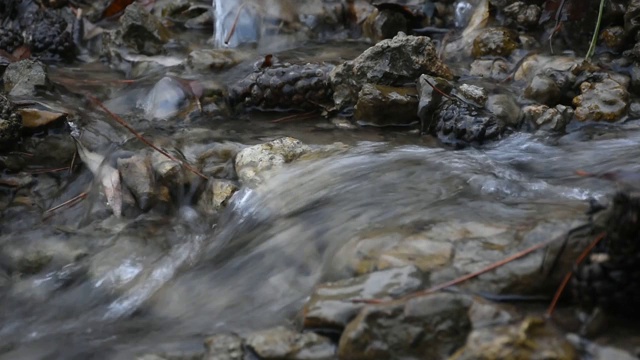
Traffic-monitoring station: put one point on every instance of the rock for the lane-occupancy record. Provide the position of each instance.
(546, 118)
(495, 42)
(424, 327)
(284, 87)
(216, 195)
(473, 93)
(632, 19)
(591, 350)
(531, 339)
(605, 99)
(25, 78)
(212, 59)
(283, 344)
(382, 105)
(331, 305)
(427, 255)
(523, 14)
(613, 37)
(496, 69)
(430, 99)
(384, 24)
(392, 62)
(165, 99)
(142, 31)
(252, 162)
(460, 123)
(137, 175)
(505, 108)
(35, 118)
(224, 347)
(543, 90)
(10, 124)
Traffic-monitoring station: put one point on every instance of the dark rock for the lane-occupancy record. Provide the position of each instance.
(614, 38)
(425, 327)
(385, 24)
(25, 78)
(461, 123)
(523, 14)
(137, 175)
(632, 19)
(284, 87)
(283, 344)
(382, 105)
(10, 40)
(142, 31)
(50, 38)
(394, 62)
(430, 99)
(10, 124)
(331, 305)
(496, 69)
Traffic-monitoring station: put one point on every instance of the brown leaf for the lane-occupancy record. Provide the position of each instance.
(116, 7)
(34, 118)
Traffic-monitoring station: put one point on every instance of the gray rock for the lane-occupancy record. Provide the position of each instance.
(142, 31)
(224, 347)
(216, 195)
(495, 41)
(331, 305)
(425, 327)
(496, 69)
(281, 343)
(382, 105)
(460, 123)
(25, 78)
(523, 14)
(473, 93)
(546, 118)
(213, 59)
(390, 62)
(505, 108)
(137, 175)
(10, 124)
(603, 99)
(384, 24)
(543, 90)
(430, 99)
(252, 162)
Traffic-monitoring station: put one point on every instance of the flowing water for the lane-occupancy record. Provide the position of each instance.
(163, 283)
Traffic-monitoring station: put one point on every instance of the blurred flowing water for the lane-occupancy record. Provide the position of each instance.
(161, 283)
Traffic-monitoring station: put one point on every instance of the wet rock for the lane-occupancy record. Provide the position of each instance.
(505, 108)
(382, 105)
(425, 327)
(216, 195)
(430, 99)
(166, 99)
(10, 124)
(496, 69)
(526, 15)
(331, 305)
(460, 123)
(137, 175)
(543, 90)
(473, 93)
(142, 31)
(550, 80)
(396, 62)
(632, 19)
(25, 78)
(282, 343)
(252, 162)
(546, 118)
(427, 255)
(602, 99)
(590, 350)
(213, 59)
(613, 37)
(224, 347)
(384, 24)
(168, 172)
(531, 339)
(284, 87)
(495, 42)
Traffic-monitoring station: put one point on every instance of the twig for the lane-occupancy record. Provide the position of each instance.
(44, 171)
(567, 277)
(295, 117)
(69, 202)
(235, 24)
(596, 32)
(143, 139)
(464, 278)
(73, 162)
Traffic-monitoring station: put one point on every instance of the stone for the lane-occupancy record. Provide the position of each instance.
(382, 105)
(545, 118)
(426, 254)
(384, 24)
(531, 339)
(496, 69)
(430, 99)
(393, 62)
(495, 42)
(605, 100)
(505, 108)
(543, 90)
(331, 305)
(217, 195)
(224, 347)
(459, 123)
(523, 14)
(25, 78)
(473, 93)
(281, 343)
(137, 175)
(252, 162)
(10, 124)
(142, 31)
(425, 327)
(213, 59)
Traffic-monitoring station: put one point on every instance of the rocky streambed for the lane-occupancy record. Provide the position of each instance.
(300, 184)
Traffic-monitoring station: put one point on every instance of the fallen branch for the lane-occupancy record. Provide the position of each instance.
(69, 202)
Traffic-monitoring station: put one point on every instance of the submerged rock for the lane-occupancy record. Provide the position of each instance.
(331, 305)
(426, 327)
(224, 347)
(531, 339)
(137, 175)
(603, 99)
(25, 78)
(217, 194)
(462, 123)
(281, 343)
(393, 62)
(385, 105)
